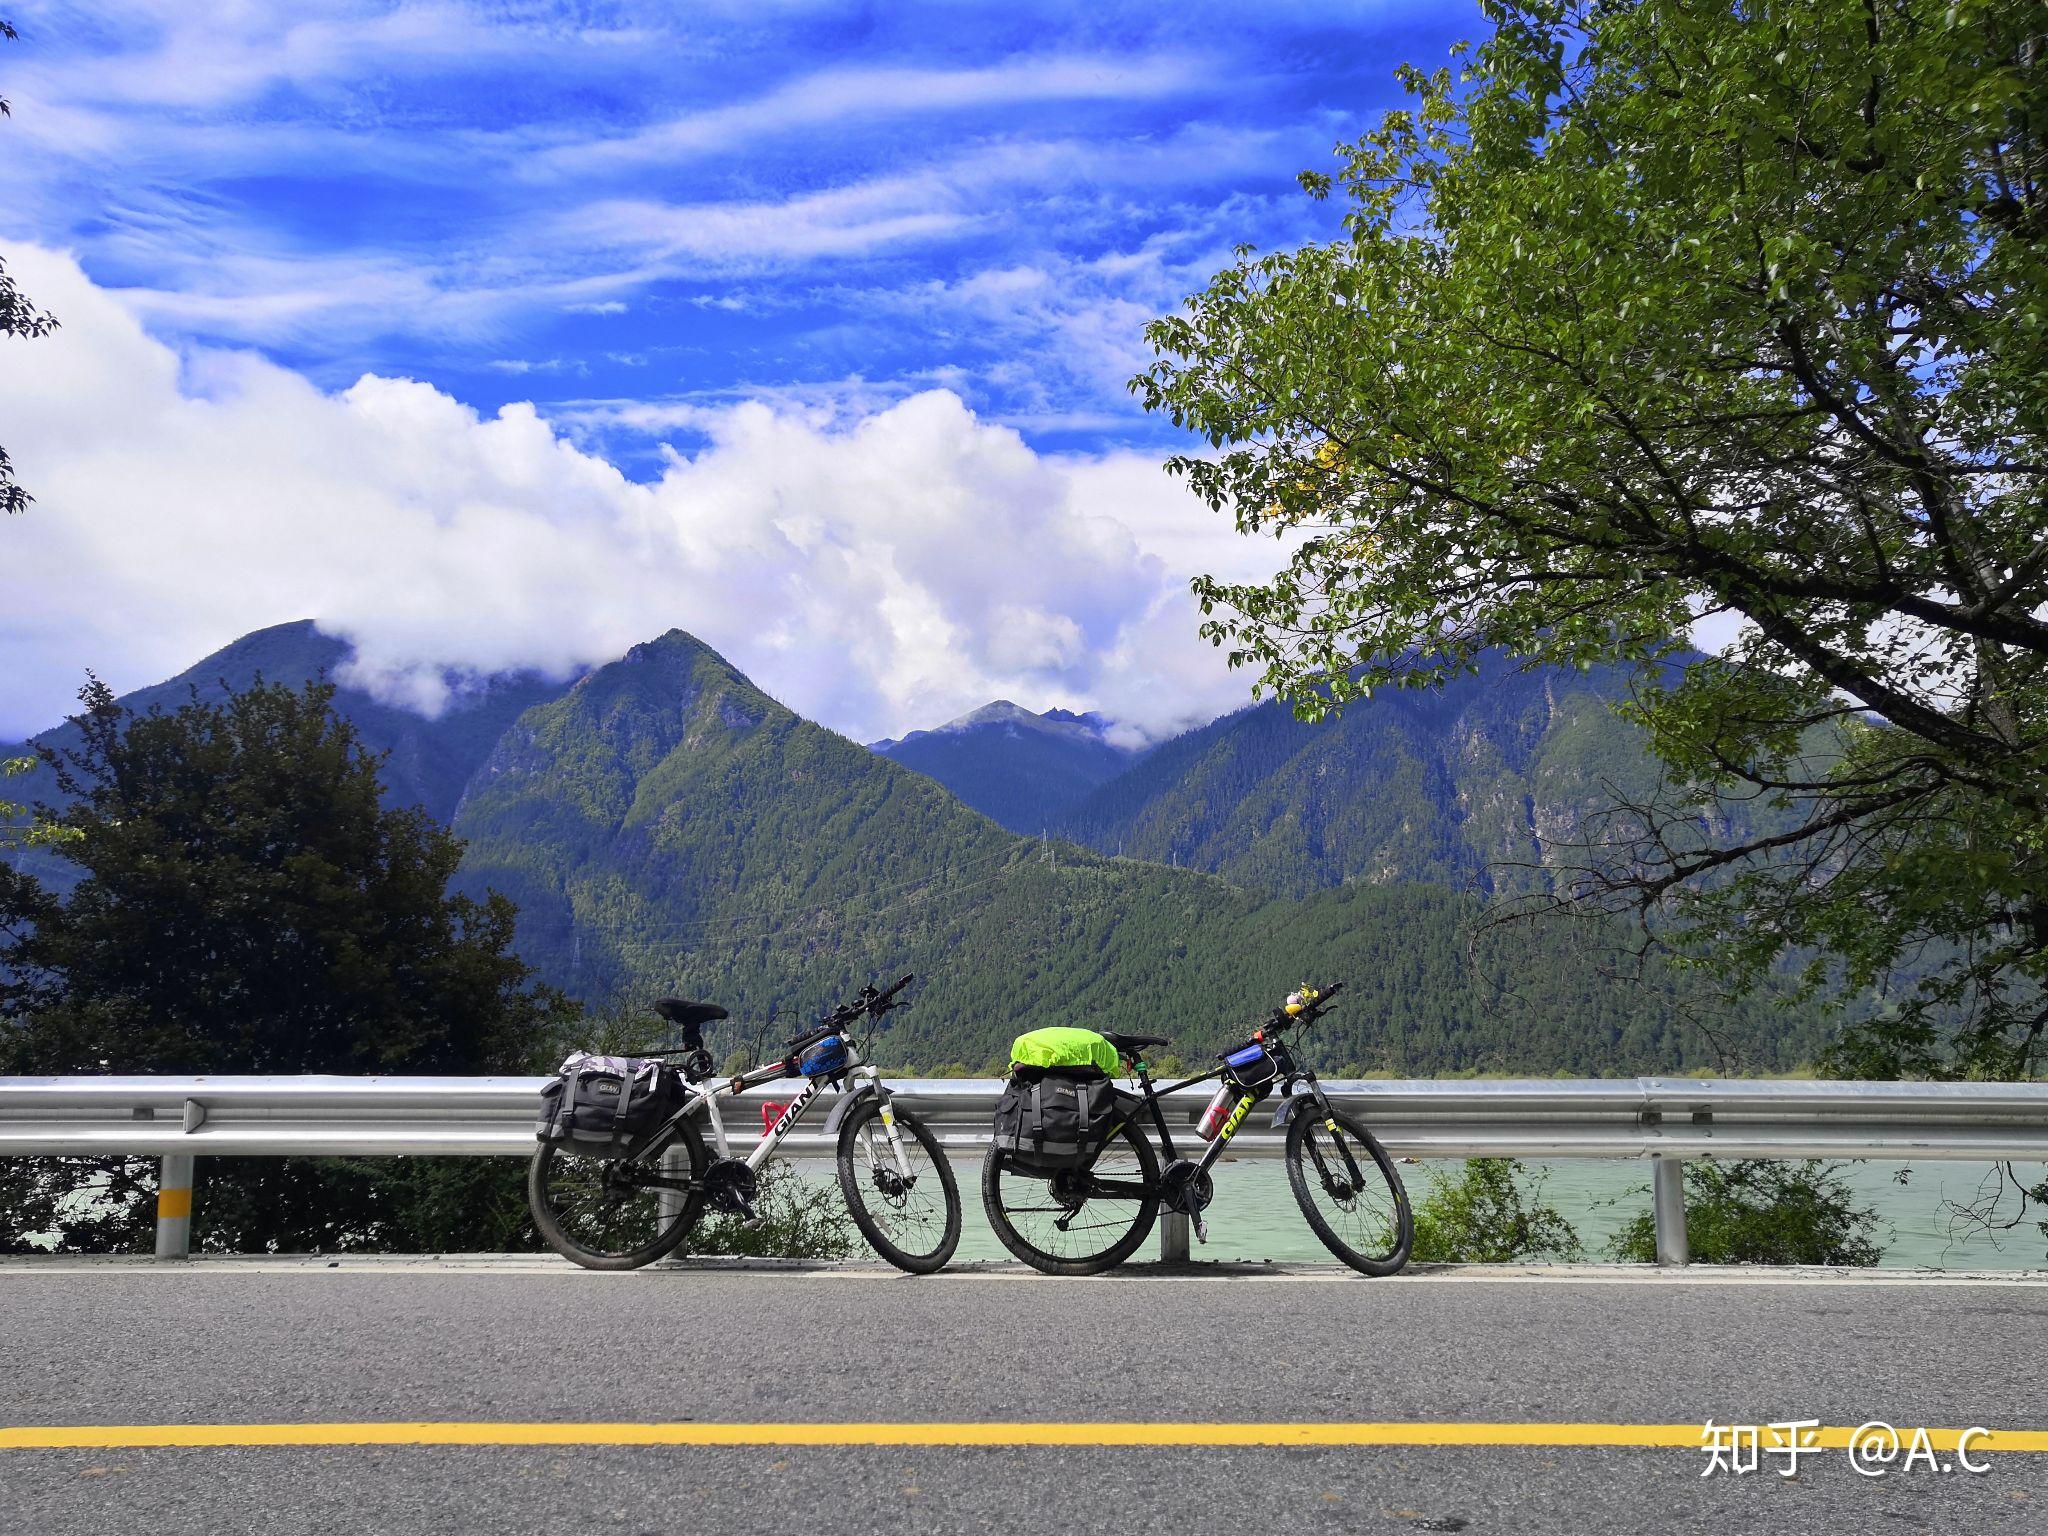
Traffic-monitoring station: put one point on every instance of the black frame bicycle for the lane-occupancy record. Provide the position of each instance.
(623, 1212)
(1343, 1180)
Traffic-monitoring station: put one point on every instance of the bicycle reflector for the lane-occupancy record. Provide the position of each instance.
(829, 1055)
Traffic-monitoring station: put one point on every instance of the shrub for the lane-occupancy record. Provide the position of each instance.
(800, 1219)
(1489, 1216)
(1758, 1212)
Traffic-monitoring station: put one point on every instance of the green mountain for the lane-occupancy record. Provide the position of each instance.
(429, 762)
(1017, 768)
(1475, 786)
(665, 826)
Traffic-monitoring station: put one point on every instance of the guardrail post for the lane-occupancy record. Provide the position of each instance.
(1173, 1237)
(174, 1207)
(1667, 1202)
(669, 1202)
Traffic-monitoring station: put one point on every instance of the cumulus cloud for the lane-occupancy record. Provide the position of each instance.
(878, 570)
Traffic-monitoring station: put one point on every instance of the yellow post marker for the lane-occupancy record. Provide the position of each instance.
(174, 1207)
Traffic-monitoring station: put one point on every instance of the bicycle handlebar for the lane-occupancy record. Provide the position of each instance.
(870, 1003)
(1281, 1018)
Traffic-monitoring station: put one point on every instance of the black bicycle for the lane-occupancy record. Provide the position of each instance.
(623, 1212)
(1085, 1220)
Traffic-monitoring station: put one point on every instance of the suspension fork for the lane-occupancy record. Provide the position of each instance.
(873, 1078)
(1319, 1102)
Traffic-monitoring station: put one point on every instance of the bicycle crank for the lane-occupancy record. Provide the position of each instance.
(730, 1186)
(1187, 1188)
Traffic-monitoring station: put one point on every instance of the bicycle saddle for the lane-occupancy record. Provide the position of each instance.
(1130, 1045)
(684, 1013)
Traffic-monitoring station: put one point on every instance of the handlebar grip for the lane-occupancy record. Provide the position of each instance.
(900, 985)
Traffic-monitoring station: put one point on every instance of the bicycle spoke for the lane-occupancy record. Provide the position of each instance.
(1081, 1222)
(912, 1212)
(1359, 1206)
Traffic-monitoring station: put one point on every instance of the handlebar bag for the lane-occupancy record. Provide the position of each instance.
(825, 1059)
(1051, 1118)
(603, 1105)
(1251, 1066)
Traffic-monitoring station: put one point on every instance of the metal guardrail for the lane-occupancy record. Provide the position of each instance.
(1666, 1120)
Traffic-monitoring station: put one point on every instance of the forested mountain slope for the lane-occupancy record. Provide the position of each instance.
(1015, 767)
(430, 760)
(665, 826)
(1474, 786)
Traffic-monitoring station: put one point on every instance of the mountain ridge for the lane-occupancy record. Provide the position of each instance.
(666, 826)
(1018, 768)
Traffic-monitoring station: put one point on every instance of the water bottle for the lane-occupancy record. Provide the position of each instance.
(1217, 1112)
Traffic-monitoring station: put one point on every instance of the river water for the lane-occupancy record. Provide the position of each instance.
(1254, 1215)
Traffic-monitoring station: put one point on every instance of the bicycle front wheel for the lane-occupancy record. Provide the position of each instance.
(1347, 1188)
(604, 1214)
(909, 1213)
(1075, 1221)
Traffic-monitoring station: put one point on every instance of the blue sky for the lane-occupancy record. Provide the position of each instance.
(641, 218)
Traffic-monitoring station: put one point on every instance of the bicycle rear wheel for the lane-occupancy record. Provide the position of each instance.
(914, 1223)
(1075, 1222)
(602, 1214)
(1347, 1188)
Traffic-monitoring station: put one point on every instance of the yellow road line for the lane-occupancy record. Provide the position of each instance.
(1631, 1436)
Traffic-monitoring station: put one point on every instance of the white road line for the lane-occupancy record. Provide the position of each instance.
(32, 1268)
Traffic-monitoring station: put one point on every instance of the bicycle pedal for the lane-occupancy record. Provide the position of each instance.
(754, 1223)
(1201, 1230)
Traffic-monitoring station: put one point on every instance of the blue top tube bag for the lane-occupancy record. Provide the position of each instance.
(829, 1055)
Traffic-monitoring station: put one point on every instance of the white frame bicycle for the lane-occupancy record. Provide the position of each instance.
(597, 1211)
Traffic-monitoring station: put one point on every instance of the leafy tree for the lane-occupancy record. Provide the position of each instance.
(18, 317)
(1486, 1216)
(1756, 1212)
(248, 904)
(21, 827)
(1663, 310)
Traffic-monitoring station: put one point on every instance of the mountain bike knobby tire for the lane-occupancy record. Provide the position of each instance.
(880, 1207)
(583, 1212)
(998, 1166)
(1311, 1150)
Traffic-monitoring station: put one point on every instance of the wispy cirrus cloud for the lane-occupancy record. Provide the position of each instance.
(842, 97)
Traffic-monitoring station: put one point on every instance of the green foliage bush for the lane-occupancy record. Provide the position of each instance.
(802, 1217)
(1490, 1215)
(1759, 1212)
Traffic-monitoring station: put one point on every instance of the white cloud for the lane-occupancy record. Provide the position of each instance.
(878, 570)
(836, 97)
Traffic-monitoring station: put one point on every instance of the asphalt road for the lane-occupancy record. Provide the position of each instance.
(534, 1343)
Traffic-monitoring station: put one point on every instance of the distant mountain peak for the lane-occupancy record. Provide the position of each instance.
(1015, 766)
(1063, 723)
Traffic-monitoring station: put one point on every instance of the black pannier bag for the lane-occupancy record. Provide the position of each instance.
(1055, 1117)
(604, 1105)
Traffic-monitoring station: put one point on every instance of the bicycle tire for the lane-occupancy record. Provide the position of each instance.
(555, 1167)
(996, 1164)
(883, 1183)
(1306, 1180)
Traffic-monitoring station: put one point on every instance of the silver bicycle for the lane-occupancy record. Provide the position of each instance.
(625, 1211)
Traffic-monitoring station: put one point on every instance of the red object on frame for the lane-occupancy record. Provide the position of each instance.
(771, 1111)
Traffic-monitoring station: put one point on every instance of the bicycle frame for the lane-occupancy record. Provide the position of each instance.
(1290, 1072)
(860, 1076)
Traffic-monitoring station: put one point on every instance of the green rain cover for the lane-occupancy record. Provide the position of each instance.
(1063, 1047)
